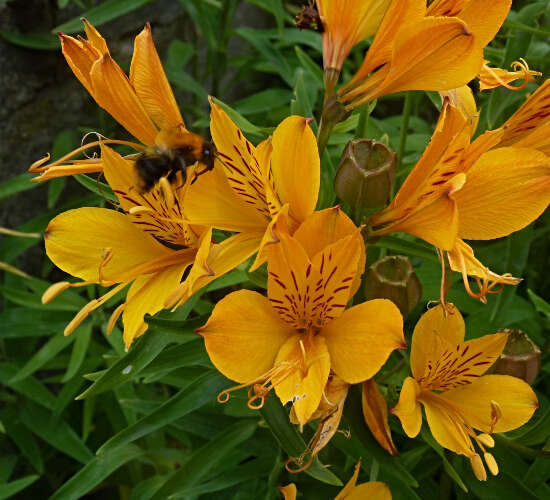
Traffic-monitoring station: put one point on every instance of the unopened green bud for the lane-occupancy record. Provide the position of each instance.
(520, 358)
(393, 278)
(365, 174)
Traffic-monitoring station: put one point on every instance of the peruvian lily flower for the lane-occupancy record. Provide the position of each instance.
(528, 127)
(148, 247)
(418, 49)
(346, 23)
(372, 490)
(142, 103)
(291, 340)
(447, 379)
(252, 186)
(460, 191)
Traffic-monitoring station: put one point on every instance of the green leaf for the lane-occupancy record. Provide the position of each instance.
(17, 185)
(540, 304)
(48, 351)
(40, 41)
(363, 443)
(203, 390)
(129, 366)
(301, 103)
(247, 472)
(97, 187)
(263, 101)
(80, 347)
(205, 459)
(55, 431)
(24, 440)
(9, 489)
(30, 387)
(108, 10)
(410, 248)
(189, 354)
(246, 126)
(184, 81)
(95, 471)
(260, 40)
(449, 469)
(290, 440)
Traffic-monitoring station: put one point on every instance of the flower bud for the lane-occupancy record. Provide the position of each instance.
(375, 413)
(520, 358)
(393, 278)
(365, 174)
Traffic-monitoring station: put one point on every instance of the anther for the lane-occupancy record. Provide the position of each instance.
(114, 318)
(486, 440)
(54, 290)
(478, 468)
(491, 463)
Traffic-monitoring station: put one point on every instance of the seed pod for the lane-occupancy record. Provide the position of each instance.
(520, 358)
(365, 175)
(393, 278)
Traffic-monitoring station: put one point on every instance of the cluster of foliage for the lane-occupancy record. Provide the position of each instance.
(99, 413)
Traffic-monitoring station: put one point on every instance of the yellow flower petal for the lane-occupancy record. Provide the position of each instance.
(445, 425)
(484, 19)
(437, 53)
(408, 408)
(245, 174)
(95, 38)
(373, 490)
(289, 491)
(516, 401)
(310, 293)
(149, 81)
(243, 335)
(76, 241)
(462, 98)
(278, 224)
(445, 7)
(346, 23)
(486, 200)
(80, 59)
(304, 386)
(146, 296)
(456, 365)
(435, 323)
(325, 227)
(113, 92)
(210, 201)
(375, 413)
(397, 16)
(350, 485)
(295, 166)
(437, 223)
(535, 112)
(362, 338)
(220, 258)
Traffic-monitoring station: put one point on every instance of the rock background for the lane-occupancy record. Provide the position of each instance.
(40, 97)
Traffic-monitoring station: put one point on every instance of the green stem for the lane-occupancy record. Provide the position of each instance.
(404, 129)
(363, 123)
(520, 449)
(323, 134)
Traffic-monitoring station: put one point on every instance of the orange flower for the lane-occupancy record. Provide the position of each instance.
(291, 340)
(419, 49)
(458, 399)
(459, 190)
(142, 103)
(110, 248)
(371, 490)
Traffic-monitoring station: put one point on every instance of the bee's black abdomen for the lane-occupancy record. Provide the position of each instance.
(151, 168)
(153, 164)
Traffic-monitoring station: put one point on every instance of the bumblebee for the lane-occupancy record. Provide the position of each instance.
(162, 161)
